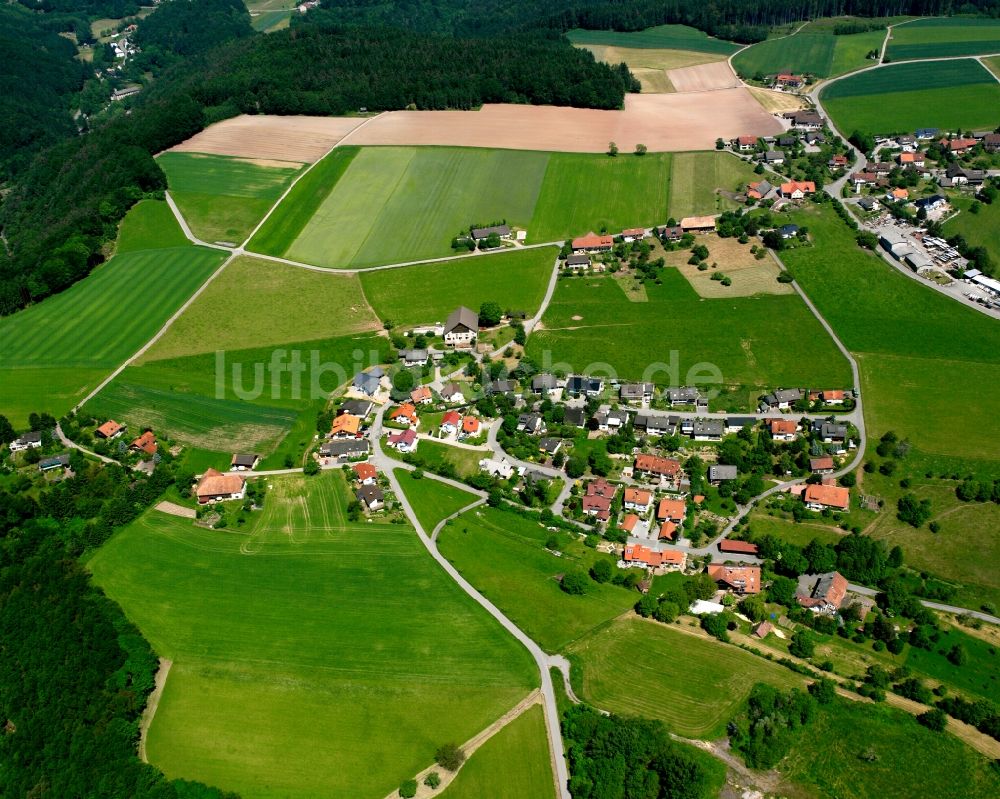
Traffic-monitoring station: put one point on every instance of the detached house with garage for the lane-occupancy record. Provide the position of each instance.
(823, 497)
(638, 500)
(32, 440)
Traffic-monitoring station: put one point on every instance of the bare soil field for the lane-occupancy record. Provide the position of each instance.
(663, 122)
(651, 65)
(653, 81)
(704, 77)
(735, 260)
(292, 139)
(777, 102)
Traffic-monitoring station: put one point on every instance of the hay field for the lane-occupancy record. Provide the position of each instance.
(704, 77)
(312, 656)
(257, 303)
(813, 51)
(651, 65)
(695, 178)
(674, 37)
(149, 225)
(777, 102)
(749, 275)
(296, 139)
(941, 37)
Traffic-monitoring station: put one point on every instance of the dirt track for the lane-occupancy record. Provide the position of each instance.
(663, 122)
(295, 138)
(703, 77)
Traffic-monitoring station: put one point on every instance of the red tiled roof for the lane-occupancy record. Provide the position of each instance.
(405, 410)
(637, 496)
(634, 231)
(671, 509)
(629, 522)
(365, 471)
(743, 578)
(214, 483)
(782, 426)
(601, 488)
(822, 462)
(740, 547)
(830, 496)
(746, 139)
(470, 424)
(346, 424)
(109, 428)
(403, 437)
(805, 186)
(667, 531)
(592, 241)
(656, 465)
(452, 417)
(637, 553)
(420, 394)
(145, 443)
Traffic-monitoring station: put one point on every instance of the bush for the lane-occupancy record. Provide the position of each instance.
(573, 583)
(823, 690)
(432, 780)
(934, 719)
(408, 789)
(450, 756)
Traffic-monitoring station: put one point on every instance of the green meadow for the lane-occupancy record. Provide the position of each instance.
(57, 350)
(427, 293)
(692, 683)
(431, 499)
(904, 97)
(665, 37)
(149, 225)
(513, 764)
(503, 555)
(222, 198)
(694, 178)
(311, 656)
(813, 52)
(981, 229)
(941, 37)
(765, 340)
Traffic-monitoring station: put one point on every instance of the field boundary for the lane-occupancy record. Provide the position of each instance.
(152, 703)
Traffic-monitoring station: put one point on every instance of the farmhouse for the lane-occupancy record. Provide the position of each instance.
(822, 593)
(805, 119)
(740, 579)
(718, 473)
(638, 500)
(371, 497)
(670, 232)
(665, 470)
(244, 462)
(31, 440)
(783, 429)
(452, 393)
(698, 224)
(110, 429)
(644, 557)
(959, 145)
(345, 450)
(481, 233)
(797, 189)
(461, 327)
(217, 487)
(821, 497)
(991, 141)
(734, 547)
(592, 243)
(347, 425)
(365, 473)
(671, 510)
(788, 81)
(403, 441)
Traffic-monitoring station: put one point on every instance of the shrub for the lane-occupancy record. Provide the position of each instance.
(432, 780)
(574, 583)
(934, 719)
(408, 789)
(450, 756)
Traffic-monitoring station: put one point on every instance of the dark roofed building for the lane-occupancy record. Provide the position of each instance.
(822, 593)
(575, 416)
(461, 327)
(479, 233)
(590, 386)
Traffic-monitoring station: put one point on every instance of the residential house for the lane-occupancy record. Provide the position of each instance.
(927, 133)
(575, 416)
(345, 450)
(587, 386)
(862, 179)
(403, 440)
(599, 487)
(629, 521)
(422, 395)
(30, 440)
(685, 395)
(452, 393)
(869, 204)
(368, 382)
(830, 432)
(497, 467)
(597, 506)
(931, 203)
(214, 486)
(897, 195)
(544, 383)
(667, 531)
(788, 81)
(991, 141)
(654, 424)
(646, 558)
(838, 162)
(461, 327)
(450, 422)
(611, 420)
(146, 443)
(51, 464)
(773, 158)
(759, 189)
(110, 429)
(822, 593)
(413, 357)
(550, 446)
(821, 465)
(698, 224)
(821, 497)
(958, 145)
(718, 473)
(783, 429)
(739, 579)
(531, 423)
(665, 471)
(504, 388)
(731, 546)
(405, 414)
(633, 234)
(358, 407)
(365, 473)
(670, 232)
(833, 396)
(578, 261)
(636, 392)
(788, 231)
(592, 243)
(244, 462)
(470, 426)
(638, 500)
(880, 169)
(671, 510)
(347, 425)
(708, 429)
(746, 143)
(911, 159)
(783, 398)
(371, 497)
(805, 119)
(815, 138)
(481, 233)
(789, 139)
(797, 189)
(961, 176)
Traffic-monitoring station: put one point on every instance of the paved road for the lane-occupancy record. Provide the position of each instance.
(73, 445)
(386, 464)
(976, 614)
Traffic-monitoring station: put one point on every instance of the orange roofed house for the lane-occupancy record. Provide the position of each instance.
(405, 414)
(639, 555)
(347, 425)
(110, 429)
(145, 443)
(666, 471)
(366, 473)
(783, 429)
(470, 426)
(421, 396)
(741, 579)
(215, 486)
(820, 497)
(593, 243)
(797, 189)
(638, 500)
(822, 593)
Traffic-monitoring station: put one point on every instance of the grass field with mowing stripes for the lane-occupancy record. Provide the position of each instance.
(903, 97)
(57, 350)
(504, 556)
(312, 656)
(943, 37)
(695, 177)
(812, 52)
(149, 225)
(431, 499)
(222, 198)
(671, 37)
(693, 684)
(428, 293)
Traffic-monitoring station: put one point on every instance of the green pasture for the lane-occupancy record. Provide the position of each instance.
(503, 555)
(584, 192)
(832, 757)
(395, 204)
(691, 683)
(765, 340)
(431, 499)
(312, 656)
(903, 97)
(427, 293)
(940, 37)
(981, 229)
(811, 52)
(286, 223)
(513, 764)
(979, 676)
(222, 198)
(669, 37)
(695, 177)
(257, 303)
(149, 225)
(798, 533)
(57, 350)
(438, 457)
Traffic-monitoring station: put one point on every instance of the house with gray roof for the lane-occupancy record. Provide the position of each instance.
(636, 392)
(708, 429)
(461, 327)
(718, 472)
(685, 395)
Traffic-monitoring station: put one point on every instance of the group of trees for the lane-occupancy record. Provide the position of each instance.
(765, 729)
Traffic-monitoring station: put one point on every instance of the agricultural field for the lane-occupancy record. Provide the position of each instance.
(395, 204)
(57, 350)
(431, 499)
(503, 555)
(993, 65)
(750, 276)
(812, 52)
(650, 65)
(941, 37)
(981, 229)
(257, 303)
(343, 695)
(149, 225)
(900, 98)
(429, 292)
(662, 37)
(268, 16)
(513, 764)
(690, 682)
(858, 749)
(222, 198)
(695, 177)
(593, 192)
(760, 341)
